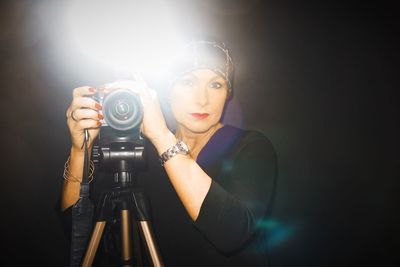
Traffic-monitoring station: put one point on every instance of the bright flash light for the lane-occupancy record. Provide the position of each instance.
(124, 35)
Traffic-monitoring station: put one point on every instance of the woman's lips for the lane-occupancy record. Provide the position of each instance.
(199, 115)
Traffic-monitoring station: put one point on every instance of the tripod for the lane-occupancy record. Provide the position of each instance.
(130, 204)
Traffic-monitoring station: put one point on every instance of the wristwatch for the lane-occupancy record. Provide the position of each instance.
(179, 148)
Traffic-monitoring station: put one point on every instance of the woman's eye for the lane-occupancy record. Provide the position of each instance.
(216, 85)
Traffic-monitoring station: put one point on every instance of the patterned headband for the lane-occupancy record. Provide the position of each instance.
(204, 55)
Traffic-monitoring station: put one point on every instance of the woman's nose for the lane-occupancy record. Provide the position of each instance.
(201, 96)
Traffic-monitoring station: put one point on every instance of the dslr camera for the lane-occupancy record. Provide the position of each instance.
(120, 147)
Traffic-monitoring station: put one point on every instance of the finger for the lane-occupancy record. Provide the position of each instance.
(153, 93)
(84, 102)
(88, 124)
(105, 89)
(148, 96)
(85, 113)
(83, 90)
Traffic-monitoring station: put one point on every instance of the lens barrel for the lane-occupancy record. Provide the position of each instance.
(122, 110)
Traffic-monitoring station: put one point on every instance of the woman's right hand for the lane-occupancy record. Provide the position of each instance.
(83, 113)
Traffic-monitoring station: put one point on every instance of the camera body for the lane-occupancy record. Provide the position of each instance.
(120, 147)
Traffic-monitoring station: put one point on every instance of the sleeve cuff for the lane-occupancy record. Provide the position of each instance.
(212, 207)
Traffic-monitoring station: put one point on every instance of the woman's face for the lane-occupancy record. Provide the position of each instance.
(197, 100)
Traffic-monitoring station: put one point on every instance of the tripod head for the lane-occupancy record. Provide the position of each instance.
(121, 153)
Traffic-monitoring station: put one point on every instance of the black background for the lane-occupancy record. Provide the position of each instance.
(319, 79)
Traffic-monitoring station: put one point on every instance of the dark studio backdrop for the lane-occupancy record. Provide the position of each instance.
(319, 79)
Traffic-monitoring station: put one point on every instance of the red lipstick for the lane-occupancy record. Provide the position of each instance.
(199, 115)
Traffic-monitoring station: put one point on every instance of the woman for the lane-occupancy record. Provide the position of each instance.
(207, 202)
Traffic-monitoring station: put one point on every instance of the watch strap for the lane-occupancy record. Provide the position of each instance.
(179, 148)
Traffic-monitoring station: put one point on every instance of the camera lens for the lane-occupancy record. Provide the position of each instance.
(122, 110)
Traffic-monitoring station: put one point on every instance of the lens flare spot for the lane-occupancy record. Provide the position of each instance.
(275, 233)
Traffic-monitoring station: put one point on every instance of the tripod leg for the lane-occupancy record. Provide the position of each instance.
(150, 242)
(126, 239)
(137, 244)
(93, 244)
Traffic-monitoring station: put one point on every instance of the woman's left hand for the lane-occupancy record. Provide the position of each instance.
(153, 125)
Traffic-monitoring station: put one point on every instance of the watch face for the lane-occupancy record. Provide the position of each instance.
(180, 147)
(183, 147)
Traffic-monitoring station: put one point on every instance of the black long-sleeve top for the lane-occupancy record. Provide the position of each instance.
(243, 167)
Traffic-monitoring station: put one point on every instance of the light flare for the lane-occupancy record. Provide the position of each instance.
(124, 35)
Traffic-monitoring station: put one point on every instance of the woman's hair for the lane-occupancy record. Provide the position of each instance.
(202, 54)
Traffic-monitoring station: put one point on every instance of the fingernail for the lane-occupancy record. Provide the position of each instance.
(100, 116)
(98, 106)
(92, 89)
